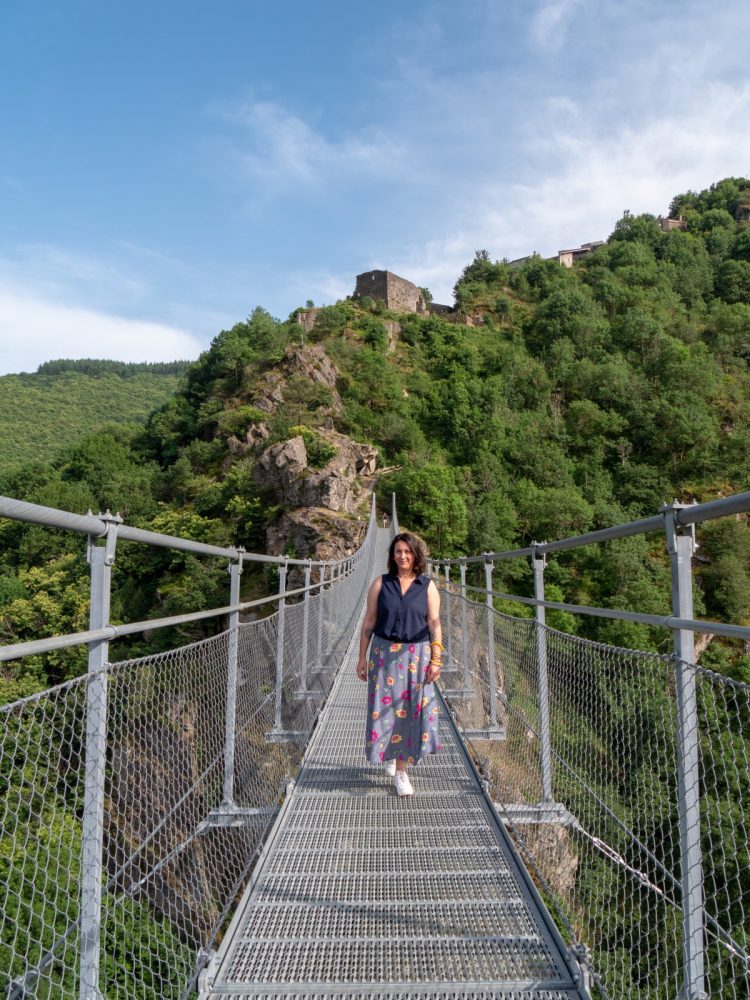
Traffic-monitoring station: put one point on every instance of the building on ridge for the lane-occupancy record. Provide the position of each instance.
(568, 257)
(398, 294)
(667, 225)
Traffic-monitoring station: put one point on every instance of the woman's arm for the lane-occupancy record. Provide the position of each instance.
(436, 633)
(368, 624)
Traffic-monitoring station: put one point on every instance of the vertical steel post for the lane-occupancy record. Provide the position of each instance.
(235, 571)
(100, 558)
(319, 659)
(334, 599)
(539, 561)
(681, 546)
(448, 623)
(491, 672)
(464, 626)
(280, 649)
(394, 516)
(305, 628)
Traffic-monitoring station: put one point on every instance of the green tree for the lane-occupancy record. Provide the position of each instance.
(431, 502)
(725, 544)
(569, 312)
(733, 281)
(638, 229)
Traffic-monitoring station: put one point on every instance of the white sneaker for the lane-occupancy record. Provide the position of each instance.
(390, 768)
(403, 785)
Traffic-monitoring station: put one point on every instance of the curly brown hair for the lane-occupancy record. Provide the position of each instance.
(418, 550)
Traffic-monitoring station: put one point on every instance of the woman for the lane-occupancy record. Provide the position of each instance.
(403, 621)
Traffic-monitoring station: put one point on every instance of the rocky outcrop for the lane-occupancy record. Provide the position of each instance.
(270, 393)
(307, 317)
(393, 329)
(284, 469)
(316, 534)
(320, 502)
(309, 362)
(554, 850)
(256, 434)
(312, 362)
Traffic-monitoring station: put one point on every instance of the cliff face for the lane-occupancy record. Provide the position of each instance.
(320, 478)
(337, 486)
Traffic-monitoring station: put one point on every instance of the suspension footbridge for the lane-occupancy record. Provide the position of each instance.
(202, 823)
(363, 891)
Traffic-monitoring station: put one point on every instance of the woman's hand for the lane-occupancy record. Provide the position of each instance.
(433, 672)
(362, 668)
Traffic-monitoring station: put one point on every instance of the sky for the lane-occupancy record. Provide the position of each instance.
(167, 167)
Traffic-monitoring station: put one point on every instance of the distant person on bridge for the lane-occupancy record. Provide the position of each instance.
(385, 520)
(403, 621)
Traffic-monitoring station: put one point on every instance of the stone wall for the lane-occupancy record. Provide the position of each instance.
(438, 309)
(398, 294)
(372, 284)
(403, 296)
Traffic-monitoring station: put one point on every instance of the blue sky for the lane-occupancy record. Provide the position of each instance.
(168, 166)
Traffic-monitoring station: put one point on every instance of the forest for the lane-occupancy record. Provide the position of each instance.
(54, 406)
(552, 402)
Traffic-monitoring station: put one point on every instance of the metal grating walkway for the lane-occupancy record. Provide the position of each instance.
(362, 894)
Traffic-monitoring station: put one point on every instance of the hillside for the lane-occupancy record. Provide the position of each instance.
(552, 401)
(41, 413)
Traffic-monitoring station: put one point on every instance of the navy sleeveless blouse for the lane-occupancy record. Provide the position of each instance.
(402, 618)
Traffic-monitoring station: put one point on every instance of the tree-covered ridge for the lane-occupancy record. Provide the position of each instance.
(126, 369)
(553, 402)
(43, 412)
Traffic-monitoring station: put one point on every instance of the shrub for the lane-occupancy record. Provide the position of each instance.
(319, 451)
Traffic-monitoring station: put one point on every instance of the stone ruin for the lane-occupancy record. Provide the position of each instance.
(398, 294)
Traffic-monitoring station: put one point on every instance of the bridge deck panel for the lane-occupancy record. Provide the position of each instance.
(391, 921)
(436, 991)
(363, 894)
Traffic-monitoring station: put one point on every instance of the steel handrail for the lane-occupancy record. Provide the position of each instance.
(110, 632)
(692, 514)
(665, 621)
(96, 527)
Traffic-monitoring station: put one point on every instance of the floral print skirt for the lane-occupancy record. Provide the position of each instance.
(402, 711)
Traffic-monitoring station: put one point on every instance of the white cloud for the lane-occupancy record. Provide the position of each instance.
(583, 160)
(548, 25)
(61, 273)
(599, 173)
(463, 130)
(324, 288)
(283, 150)
(33, 331)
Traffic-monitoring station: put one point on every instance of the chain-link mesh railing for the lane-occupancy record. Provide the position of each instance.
(597, 812)
(316, 634)
(41, 799)
(585, 747)
(192, 779)
(173, 859)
